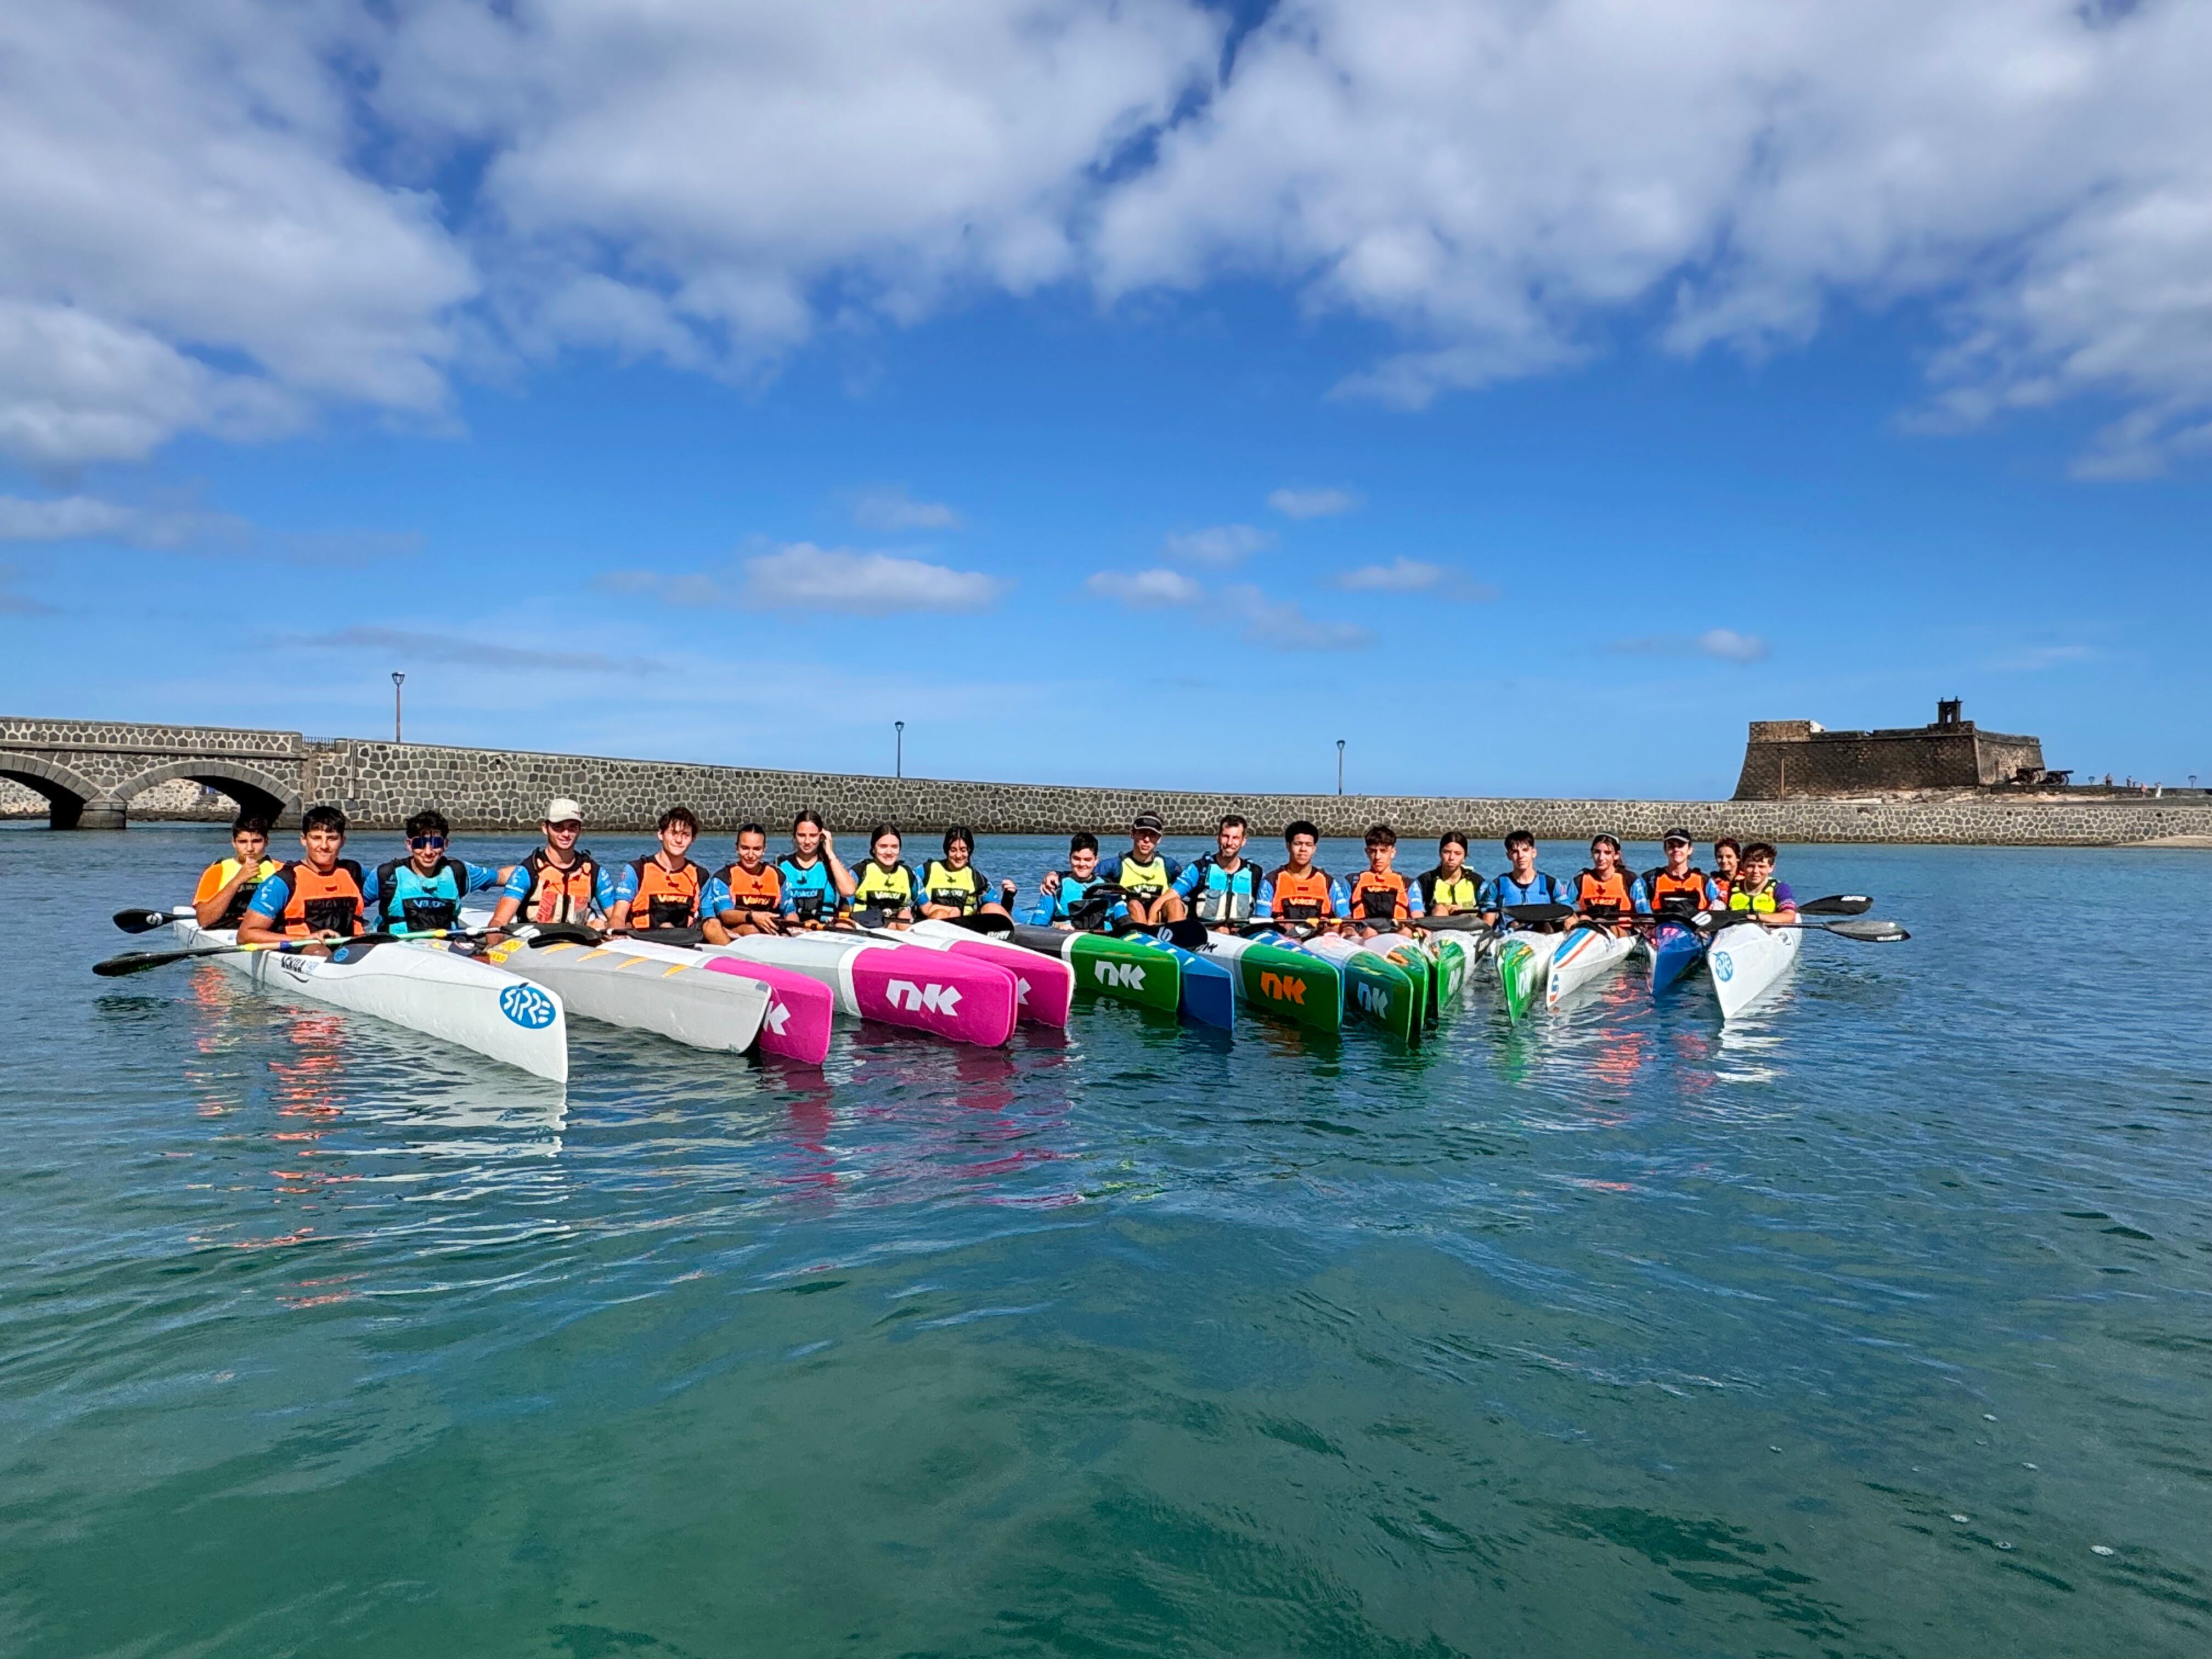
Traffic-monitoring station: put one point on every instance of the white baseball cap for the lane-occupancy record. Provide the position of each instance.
(561, 810)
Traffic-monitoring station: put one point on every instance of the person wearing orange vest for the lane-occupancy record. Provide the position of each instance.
(1608, 894)
(747, 896)
(664, 890)
(560, 882)
(1378, 896)
(1301, 891)
(317, 896)
(227, 886)
(1678, 888)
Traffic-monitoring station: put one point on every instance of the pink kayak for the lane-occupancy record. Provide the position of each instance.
(1044, 986)
(961, 999)
(800, 1010)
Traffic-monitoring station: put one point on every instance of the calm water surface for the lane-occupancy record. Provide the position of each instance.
(1882, 1325)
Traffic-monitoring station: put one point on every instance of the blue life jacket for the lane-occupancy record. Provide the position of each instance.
(809, 891)
(409, 901)
(1544, 890)
(1219, 896)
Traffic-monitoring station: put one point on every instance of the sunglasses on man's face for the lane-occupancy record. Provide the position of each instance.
(418, 842)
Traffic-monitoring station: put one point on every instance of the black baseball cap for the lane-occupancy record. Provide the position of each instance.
(1682, 835)
(1148, 821)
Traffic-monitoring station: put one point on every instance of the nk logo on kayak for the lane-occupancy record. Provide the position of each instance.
(776, 1018)
(1283, 988)
(1374, 999)
(936, 999)
(1129, 976)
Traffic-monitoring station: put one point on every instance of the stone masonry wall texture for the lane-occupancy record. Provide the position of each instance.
(378, 784)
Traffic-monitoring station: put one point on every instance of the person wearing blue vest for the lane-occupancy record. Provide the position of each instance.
(816, 883)
(422, 893)
(1222, 888)
(1062, 895)
(1524, 884)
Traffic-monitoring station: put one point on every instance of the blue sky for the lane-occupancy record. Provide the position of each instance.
(1106, 406)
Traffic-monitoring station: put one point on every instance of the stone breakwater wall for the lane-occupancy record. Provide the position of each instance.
(112, 765)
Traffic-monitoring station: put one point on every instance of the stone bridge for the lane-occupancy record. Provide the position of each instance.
(89, 771)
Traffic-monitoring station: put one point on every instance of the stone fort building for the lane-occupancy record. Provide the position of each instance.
(1785, 758)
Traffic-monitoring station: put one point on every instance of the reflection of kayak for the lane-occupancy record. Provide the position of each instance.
(678, 999)
(1043, 988)
(425, 988)
(800, 1012)
(1748, 961)
(1585, 956)
(1524, 968)
(1674, 948)
(1375, 987)
(960, 999)
(1290, 984)
(1129, 968)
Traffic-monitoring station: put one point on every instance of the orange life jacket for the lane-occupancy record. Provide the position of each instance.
(762, 891)
(317, 904)
(1604, 897)
(666, 898)
(1380, 898)
(1660, 883)
(558, 895)
(1302, 897)
(1725, 884)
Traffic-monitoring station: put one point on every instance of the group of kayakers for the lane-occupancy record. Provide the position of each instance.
(324, 895)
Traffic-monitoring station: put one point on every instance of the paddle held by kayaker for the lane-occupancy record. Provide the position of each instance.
(316, 896)
(227, 886)
(559, 882)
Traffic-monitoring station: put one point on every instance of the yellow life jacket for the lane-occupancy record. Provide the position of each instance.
(942, 885)
(1761, 902)
(876, 888)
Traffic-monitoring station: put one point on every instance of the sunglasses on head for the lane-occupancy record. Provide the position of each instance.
(418, 842)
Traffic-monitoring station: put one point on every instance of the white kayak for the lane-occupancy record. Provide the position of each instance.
(1585, 956)
(425, 988)
(677, 1000)
(1748, 961)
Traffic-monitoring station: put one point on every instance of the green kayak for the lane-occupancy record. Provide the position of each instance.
(1134, 969)
(1276, 979)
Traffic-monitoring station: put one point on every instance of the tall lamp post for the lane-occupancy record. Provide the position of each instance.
(1339, 766)
(898, 750)
(397, 677)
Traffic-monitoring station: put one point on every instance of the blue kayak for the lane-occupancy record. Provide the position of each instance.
(1209, 987)
(1675, 949)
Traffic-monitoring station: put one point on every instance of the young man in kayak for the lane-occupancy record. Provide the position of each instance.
(316, 896)
(1145, 874)
(1678, 887)
(1064, 896)
(227, 886)
(1522, 883)
(952, 886)
(1379, 895)
(816, 883)
(885, 890)
(746, 897)
(423, 892)
(1607, 893)
(1727, 857)
(1755, 892)
(560, 882)
(1451, 889)
(1222, 888)
(1301, 891)
(664, 889)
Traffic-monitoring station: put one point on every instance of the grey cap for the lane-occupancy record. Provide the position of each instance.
(1148, 821)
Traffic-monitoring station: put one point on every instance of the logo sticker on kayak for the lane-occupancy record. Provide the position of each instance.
(936, 999)
(1724, 968)
(1375, 999)
(527, 1006)
(1129, 976)
(1283, 988)
(776, 1018)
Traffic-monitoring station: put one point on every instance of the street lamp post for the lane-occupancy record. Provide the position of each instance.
(1339, 766)
(898, 751)
(397, 677)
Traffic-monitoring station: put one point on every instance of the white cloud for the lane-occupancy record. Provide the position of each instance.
(1145, 590)
(1724, 643)
(1222, 545)
(1404, 575)
(84, 518)
(887, 506)
(406, 645)
(1281, 625)
(800, 576)
(1313, 503)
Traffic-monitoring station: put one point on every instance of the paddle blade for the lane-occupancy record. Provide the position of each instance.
(1187, 932)
(561, 933)
(1870, 931)
(1837, 904)
(145, 921)
(1460, 921)
(989, 926)
(1532, 914)
(138, 962)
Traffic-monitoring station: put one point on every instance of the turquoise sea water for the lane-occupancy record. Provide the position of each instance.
(1863, 1329)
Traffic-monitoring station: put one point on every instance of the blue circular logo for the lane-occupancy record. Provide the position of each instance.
(1724, 968)
(528, 1006)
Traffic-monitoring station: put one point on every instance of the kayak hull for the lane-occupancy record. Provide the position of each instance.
(425, 988)
(1675, 949)
(1524, 969)
(1129, 968)
(800, 1012)
(1272, 978)
(1585, 956)
(1748, 964)
(677, 1000)
(1208, 989)
(1375, 987)
(1044, 987)
(959, 999)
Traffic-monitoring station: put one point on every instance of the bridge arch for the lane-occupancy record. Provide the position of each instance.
(254, 790)
(67, 792)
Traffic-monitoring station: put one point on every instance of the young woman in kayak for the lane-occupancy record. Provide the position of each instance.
(952, 886)
(885, 890)
(1728, 856)
(1606, 894)
(1757, 893)
(747, 895)
(816, 882)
